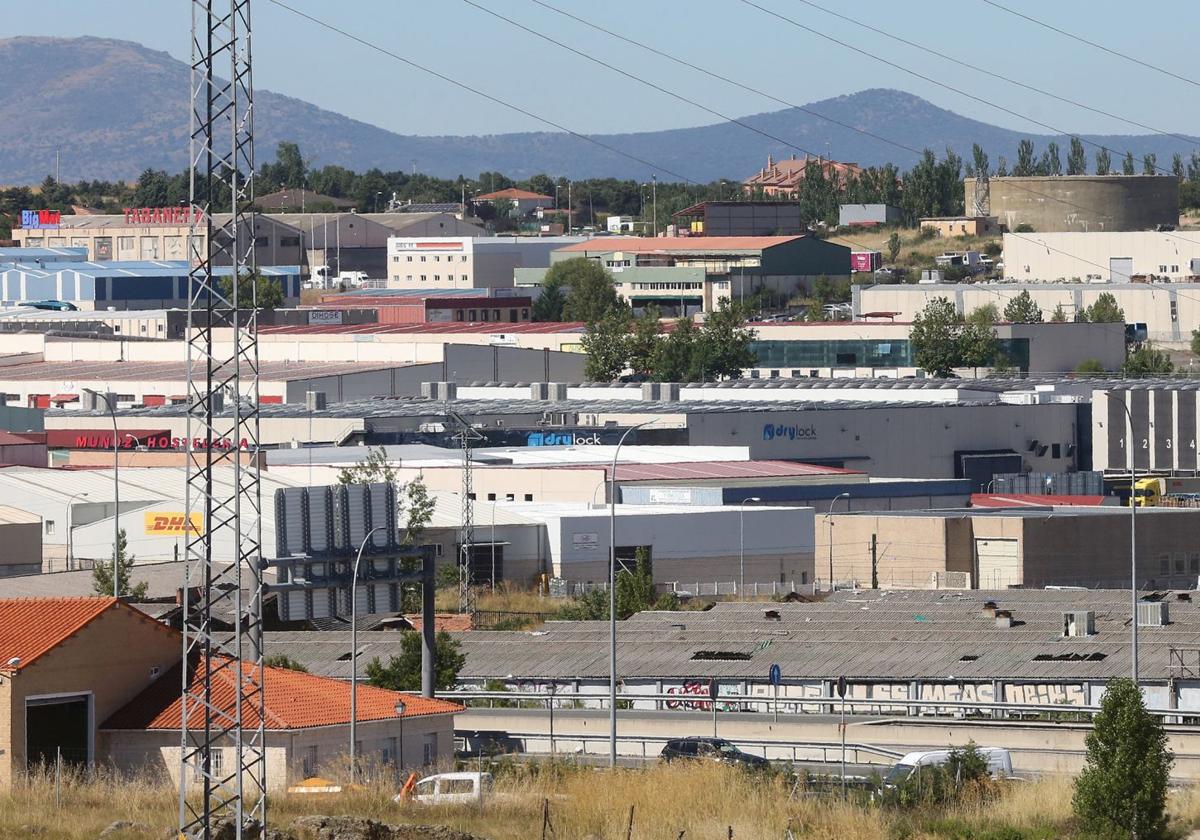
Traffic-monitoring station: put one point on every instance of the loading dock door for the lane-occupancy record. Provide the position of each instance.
(997, 563)
(1120, 269)
(57, 723)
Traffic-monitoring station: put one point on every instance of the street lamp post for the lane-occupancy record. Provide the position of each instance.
(742, 543)
(493, 545)
(612, 597)
(829, 517)
(110, 400)
(354, 655)
(400, 710)
(1133, 499)
(70, 541)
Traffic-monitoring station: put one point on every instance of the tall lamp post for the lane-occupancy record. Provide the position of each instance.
(354, 655)
(400, 710)
(70, 541)
(742, 543)
(612, 597)
(829, 517)
(111, 401)
(1133, 499)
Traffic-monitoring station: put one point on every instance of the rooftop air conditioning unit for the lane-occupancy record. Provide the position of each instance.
(1078, 623)
(1152, 614)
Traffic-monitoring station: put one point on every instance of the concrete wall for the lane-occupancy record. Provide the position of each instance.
(22, 543)
(910, 552)
(158, 751)
(1083, 202)
(1085, 257)
(112, 660)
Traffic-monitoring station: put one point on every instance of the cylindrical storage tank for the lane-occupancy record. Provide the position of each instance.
(1082, 202)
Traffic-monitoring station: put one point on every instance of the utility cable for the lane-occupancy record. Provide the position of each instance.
(1100, 47)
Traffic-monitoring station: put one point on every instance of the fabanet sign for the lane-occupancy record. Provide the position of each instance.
(159, 216)
(172, 523)
(41, 219)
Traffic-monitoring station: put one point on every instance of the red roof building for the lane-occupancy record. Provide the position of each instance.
(784, 177)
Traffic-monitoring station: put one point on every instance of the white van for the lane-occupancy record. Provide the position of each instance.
(999, 764)
(450, 788)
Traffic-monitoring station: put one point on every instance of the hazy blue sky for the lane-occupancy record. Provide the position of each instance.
(295, 57)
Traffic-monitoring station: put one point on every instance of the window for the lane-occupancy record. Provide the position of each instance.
(289, 241)
(465, 278)
(509, 497)
(396, 258)
(410, 257)
(529, 497)
(436, 258)
(463, 258)
(471, 315)
(491, 497)
(218, 761)
(458, 314)
(422, 278)
(387, 753)
(149, 247)
(429, 750)
(408, 277)
(422, 258)
(525, 314)
(495, 314)
(1162, 269)
(260, 242)
(483, 314)
(49, 526)
(309, 763)
(1174, 269)
(437, 278)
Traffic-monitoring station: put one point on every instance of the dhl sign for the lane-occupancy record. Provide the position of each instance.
(162, 523)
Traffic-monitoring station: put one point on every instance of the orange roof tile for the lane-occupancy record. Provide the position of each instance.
(30, 627)
(651, 244)
(294, 700)
(513, 192)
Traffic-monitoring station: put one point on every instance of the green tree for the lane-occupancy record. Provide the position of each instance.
(1076, 158)
(606, 343)
(1150, 164)
(647, 333)
(1122, 790)
(671, 360)
(414, 504)
(725, 343)
(403, 672)
(1177, 166)
(1196, 342)
(977, 343)
(635, 592)
(893, 246)
(979, 160)
(1147, 361)
(935, 337)
(102, 577)
(282, 660)
(1089, 366)
(1103, 162)
(374, 468)
(1059, 315)
(1022, 310)
(589, 287)
(1104, 311)
(1001, 167)
(267, 293)
(550, 302)
(1051, 163)
(1127, 165)
(289, 168)
(986, 315)
(1026, 164)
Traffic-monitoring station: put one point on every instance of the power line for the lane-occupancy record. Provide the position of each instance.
(726, 79)
(1100, 47)
(924, 77)
(478, 92)
(638, 79)
(989, 72)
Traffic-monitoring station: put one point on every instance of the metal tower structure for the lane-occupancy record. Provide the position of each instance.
(466, 538)
(222, 773)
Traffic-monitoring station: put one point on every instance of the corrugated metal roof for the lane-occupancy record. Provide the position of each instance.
(124, 371)
(720, 469)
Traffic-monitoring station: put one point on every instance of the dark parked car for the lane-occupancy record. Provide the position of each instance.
(711, 749)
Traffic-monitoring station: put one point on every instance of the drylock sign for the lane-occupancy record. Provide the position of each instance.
(170, 523)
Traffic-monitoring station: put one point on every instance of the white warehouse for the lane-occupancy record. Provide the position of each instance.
(1102, 256)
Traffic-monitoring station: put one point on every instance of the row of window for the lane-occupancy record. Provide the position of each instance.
(1179, 564)
(436, 258)
(483, 315)
(666, 286)
(508, 497)
(436, 278)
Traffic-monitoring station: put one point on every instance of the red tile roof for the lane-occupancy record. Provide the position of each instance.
(31, 627)
(294, 700)
(513, 192)
(496, 327)
(684, 244)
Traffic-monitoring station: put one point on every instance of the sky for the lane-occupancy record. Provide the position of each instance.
(295, 57)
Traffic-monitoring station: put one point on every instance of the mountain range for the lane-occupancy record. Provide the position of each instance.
(115, 108)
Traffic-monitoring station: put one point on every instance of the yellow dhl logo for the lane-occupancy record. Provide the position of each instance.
(171, 524)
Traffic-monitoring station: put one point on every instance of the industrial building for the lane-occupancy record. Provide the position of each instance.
(466, 262)
(119, 285)
(522, 202)
(149, 234)
(1170, 311)
(902, 653)
(1082, 203)
(418, 306)
(996, 548)
(1157, 418)
(689, 274)
(741, 218)
(949, 226)
(1103, 257)
(869, 215)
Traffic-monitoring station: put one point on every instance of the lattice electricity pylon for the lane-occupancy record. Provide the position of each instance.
(223, 755)
(466, 537)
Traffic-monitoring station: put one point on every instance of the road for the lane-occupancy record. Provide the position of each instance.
(1037, 747)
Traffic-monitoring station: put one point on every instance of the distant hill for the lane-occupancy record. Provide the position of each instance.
(116, 108)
